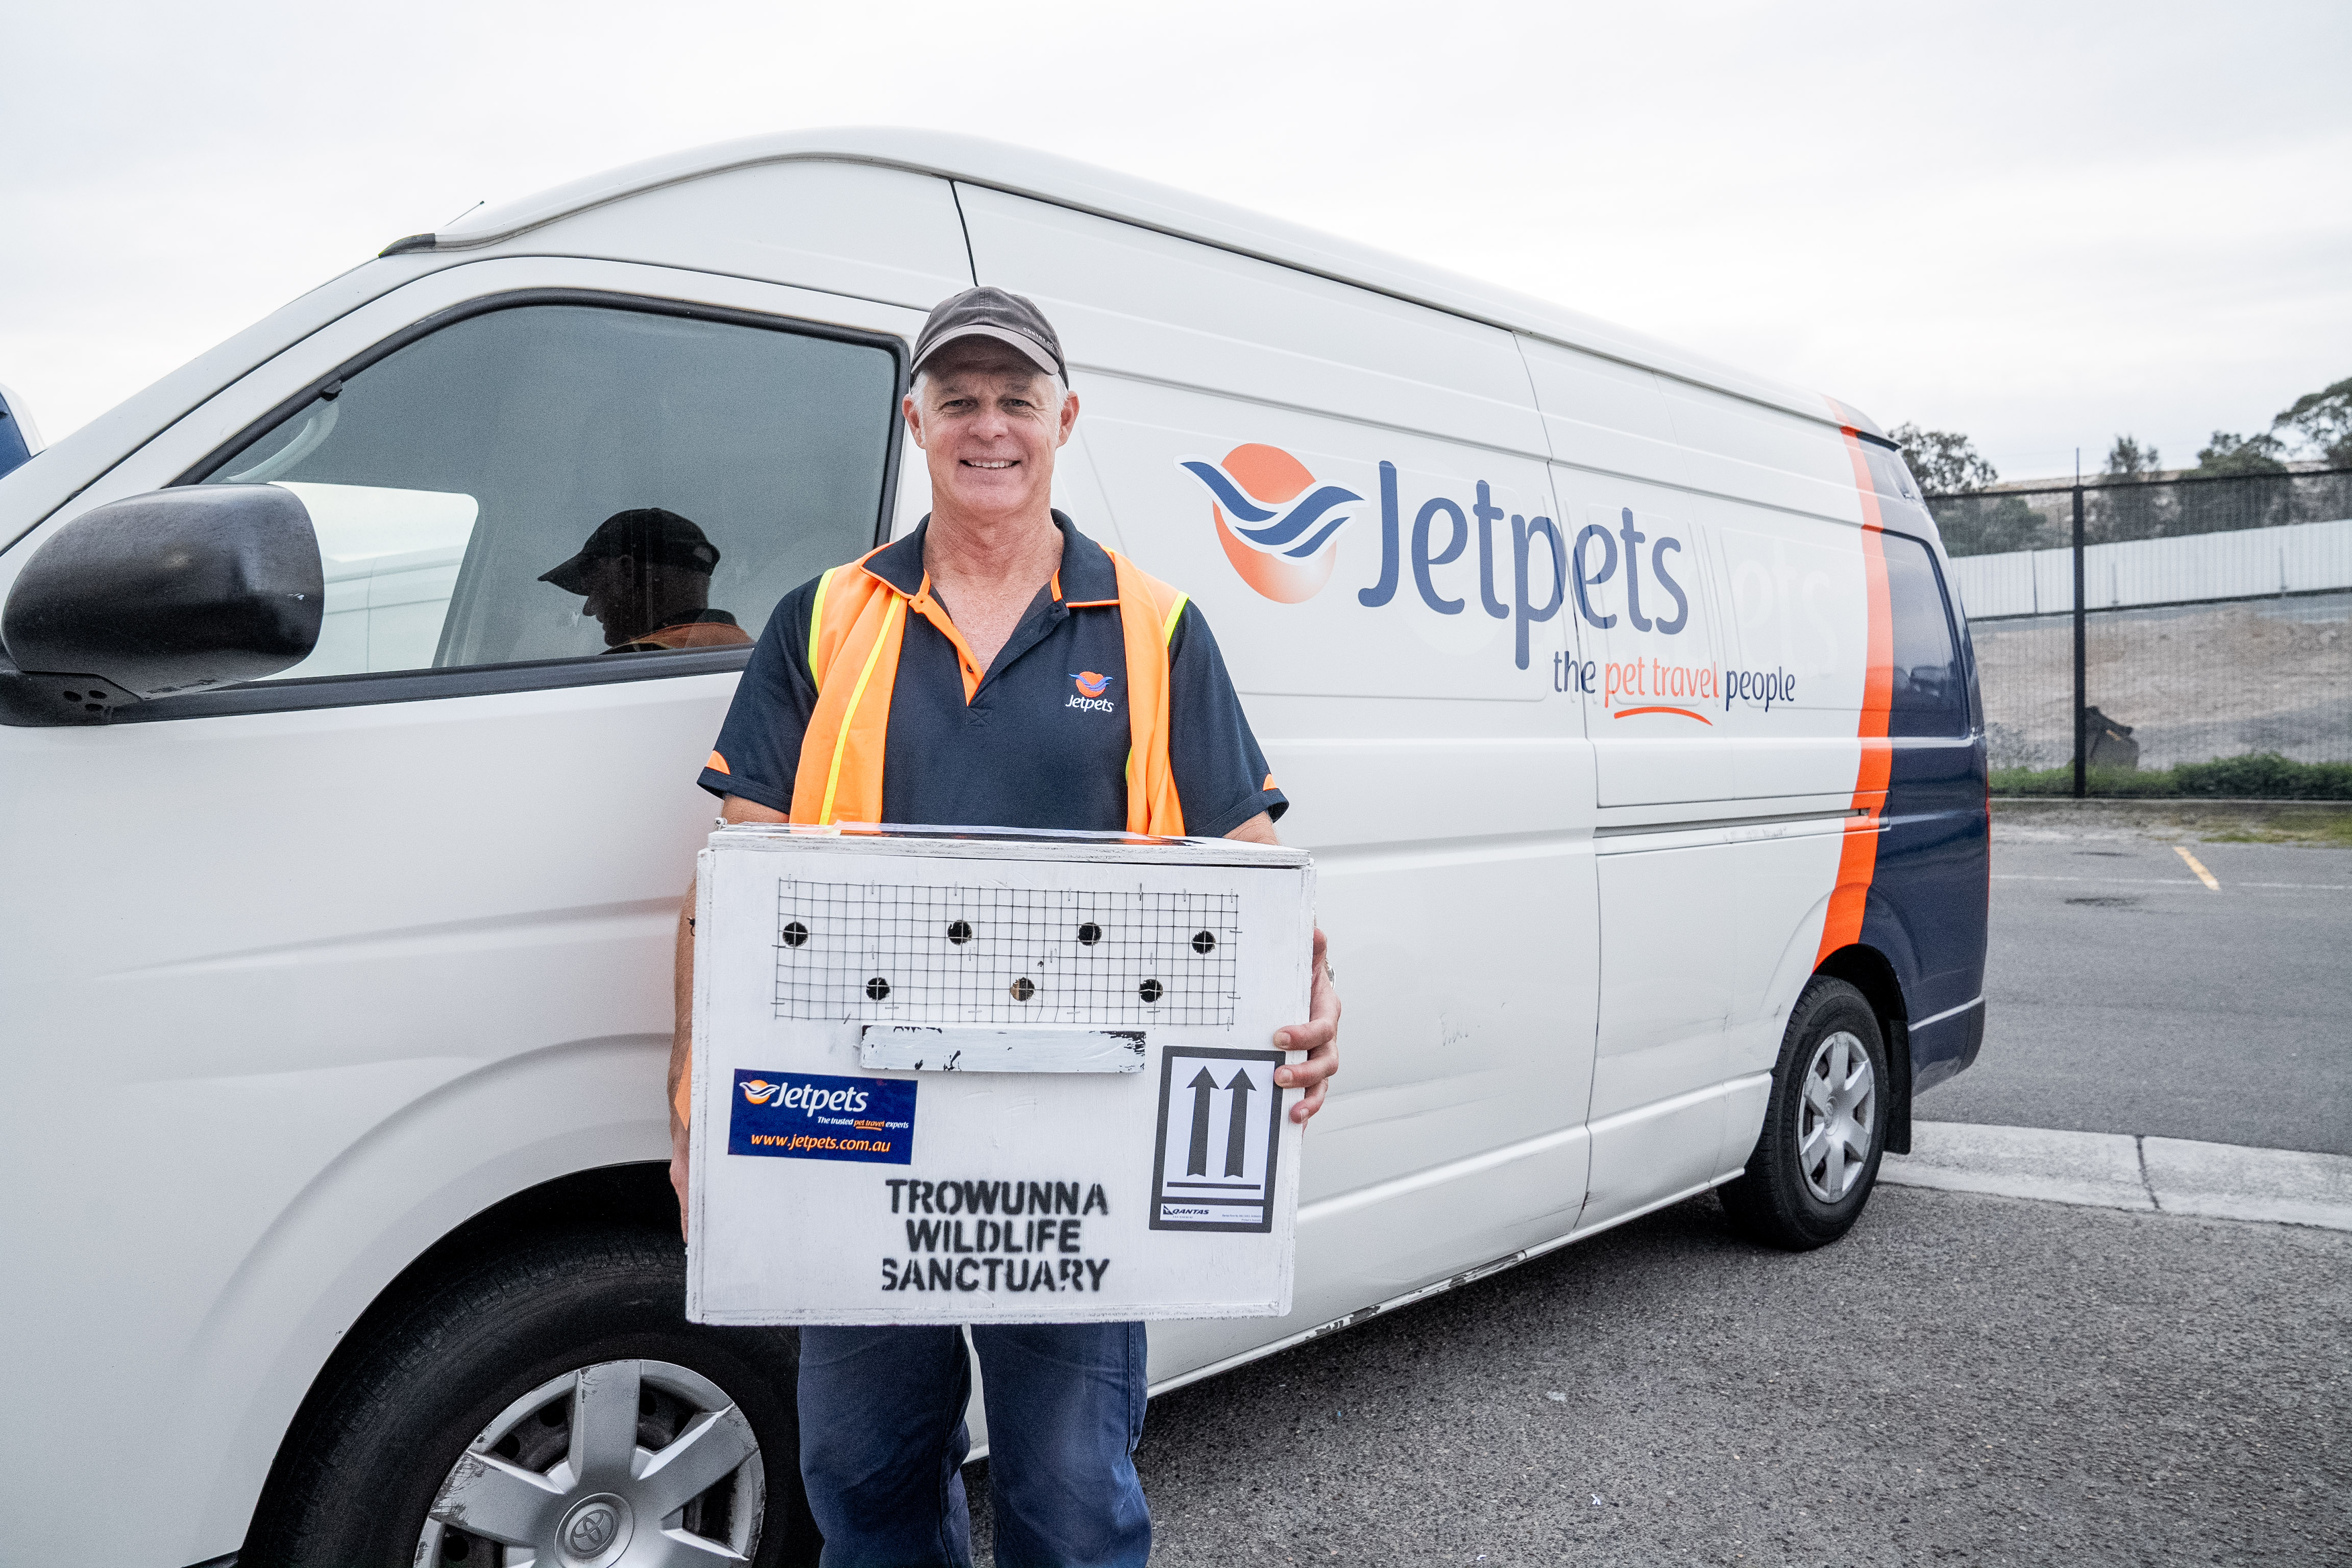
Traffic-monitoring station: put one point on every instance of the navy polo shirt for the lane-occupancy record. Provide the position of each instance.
(1045, 739)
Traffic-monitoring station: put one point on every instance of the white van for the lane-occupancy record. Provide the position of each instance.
(1619, 693)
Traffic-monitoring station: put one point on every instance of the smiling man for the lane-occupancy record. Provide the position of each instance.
(995, 667)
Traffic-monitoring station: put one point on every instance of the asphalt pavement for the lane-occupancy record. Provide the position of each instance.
(2124, 994)
(1962, 1379)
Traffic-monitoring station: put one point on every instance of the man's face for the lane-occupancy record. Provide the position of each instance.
(988, 429)
(614, 600)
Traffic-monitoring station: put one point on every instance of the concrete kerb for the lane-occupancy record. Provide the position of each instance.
(2224, 1181)
(2124, 1171)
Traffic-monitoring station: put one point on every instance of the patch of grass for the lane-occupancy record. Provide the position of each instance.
(2333, 830)
(2285, 824)
(2264, 775)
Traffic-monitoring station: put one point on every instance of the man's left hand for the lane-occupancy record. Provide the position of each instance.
(1319, 1038)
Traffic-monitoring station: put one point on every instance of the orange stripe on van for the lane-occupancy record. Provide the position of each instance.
(1858, 855)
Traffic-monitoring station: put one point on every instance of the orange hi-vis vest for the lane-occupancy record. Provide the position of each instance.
(856, 627)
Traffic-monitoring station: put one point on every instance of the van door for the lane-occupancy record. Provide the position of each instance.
(1645, 649)
(1722, 706)
(1353, 490)
(325, 965)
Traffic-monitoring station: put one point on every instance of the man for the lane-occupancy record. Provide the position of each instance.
(994, 667)
(646, 574)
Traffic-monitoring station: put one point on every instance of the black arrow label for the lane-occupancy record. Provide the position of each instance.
(1237, 1130)
(1203, 1086)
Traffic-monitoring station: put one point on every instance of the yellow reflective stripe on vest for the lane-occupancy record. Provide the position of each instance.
(816, 623)
(1167, 631)
(841, 740)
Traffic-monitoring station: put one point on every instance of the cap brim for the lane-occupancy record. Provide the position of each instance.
(1035, 352)
(567, 576)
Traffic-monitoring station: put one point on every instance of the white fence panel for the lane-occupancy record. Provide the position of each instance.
(1994, 585)
(2304, 558)
(2316, 557)
(2053, 579)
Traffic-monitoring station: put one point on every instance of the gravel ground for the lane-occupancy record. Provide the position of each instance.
(2196, 681)
(1963, 1379)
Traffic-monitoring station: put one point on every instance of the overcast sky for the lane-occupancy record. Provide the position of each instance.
(2041, 224)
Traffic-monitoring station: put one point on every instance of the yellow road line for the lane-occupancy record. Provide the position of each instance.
(2202, 875)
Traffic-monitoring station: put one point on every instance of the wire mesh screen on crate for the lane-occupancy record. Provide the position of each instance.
(877, 952)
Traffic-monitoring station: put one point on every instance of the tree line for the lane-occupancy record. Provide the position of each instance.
(2316, 426)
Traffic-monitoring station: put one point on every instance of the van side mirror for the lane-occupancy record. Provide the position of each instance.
(177, 590)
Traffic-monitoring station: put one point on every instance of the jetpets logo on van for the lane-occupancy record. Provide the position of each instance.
(1284, 538)
(1282, 535)
(816, 1116)
(1281, 529)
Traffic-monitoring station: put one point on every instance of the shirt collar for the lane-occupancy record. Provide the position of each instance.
(1087, 578)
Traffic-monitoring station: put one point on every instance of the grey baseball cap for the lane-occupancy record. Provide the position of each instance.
(993, 313)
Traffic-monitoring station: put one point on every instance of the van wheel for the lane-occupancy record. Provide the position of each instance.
(1824, 1129)
(550, 1405)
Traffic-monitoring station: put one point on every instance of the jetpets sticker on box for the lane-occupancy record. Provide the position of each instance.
(811, 1116)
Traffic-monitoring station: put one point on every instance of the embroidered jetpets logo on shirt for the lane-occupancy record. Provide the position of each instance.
(1088, 698)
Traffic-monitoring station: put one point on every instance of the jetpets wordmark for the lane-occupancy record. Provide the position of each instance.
(1281, 528)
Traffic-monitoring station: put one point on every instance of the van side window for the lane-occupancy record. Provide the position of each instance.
(561, 480)
(1930, 695)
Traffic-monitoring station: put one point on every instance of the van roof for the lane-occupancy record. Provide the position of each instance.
(1066, 183)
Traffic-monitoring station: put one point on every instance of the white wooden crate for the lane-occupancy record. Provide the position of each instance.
(953, 1075)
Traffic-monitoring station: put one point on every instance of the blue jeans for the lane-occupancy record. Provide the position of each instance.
(883, 1444)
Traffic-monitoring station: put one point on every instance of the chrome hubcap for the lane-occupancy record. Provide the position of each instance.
(626, 1464)
(1834, 1119)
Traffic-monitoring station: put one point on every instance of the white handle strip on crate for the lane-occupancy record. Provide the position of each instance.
(946, 1048)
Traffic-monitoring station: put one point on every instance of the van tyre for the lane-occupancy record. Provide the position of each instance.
(552, 1398)
(1824, 1129)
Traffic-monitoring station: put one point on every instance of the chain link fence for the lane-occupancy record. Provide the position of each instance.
(2185, 637)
